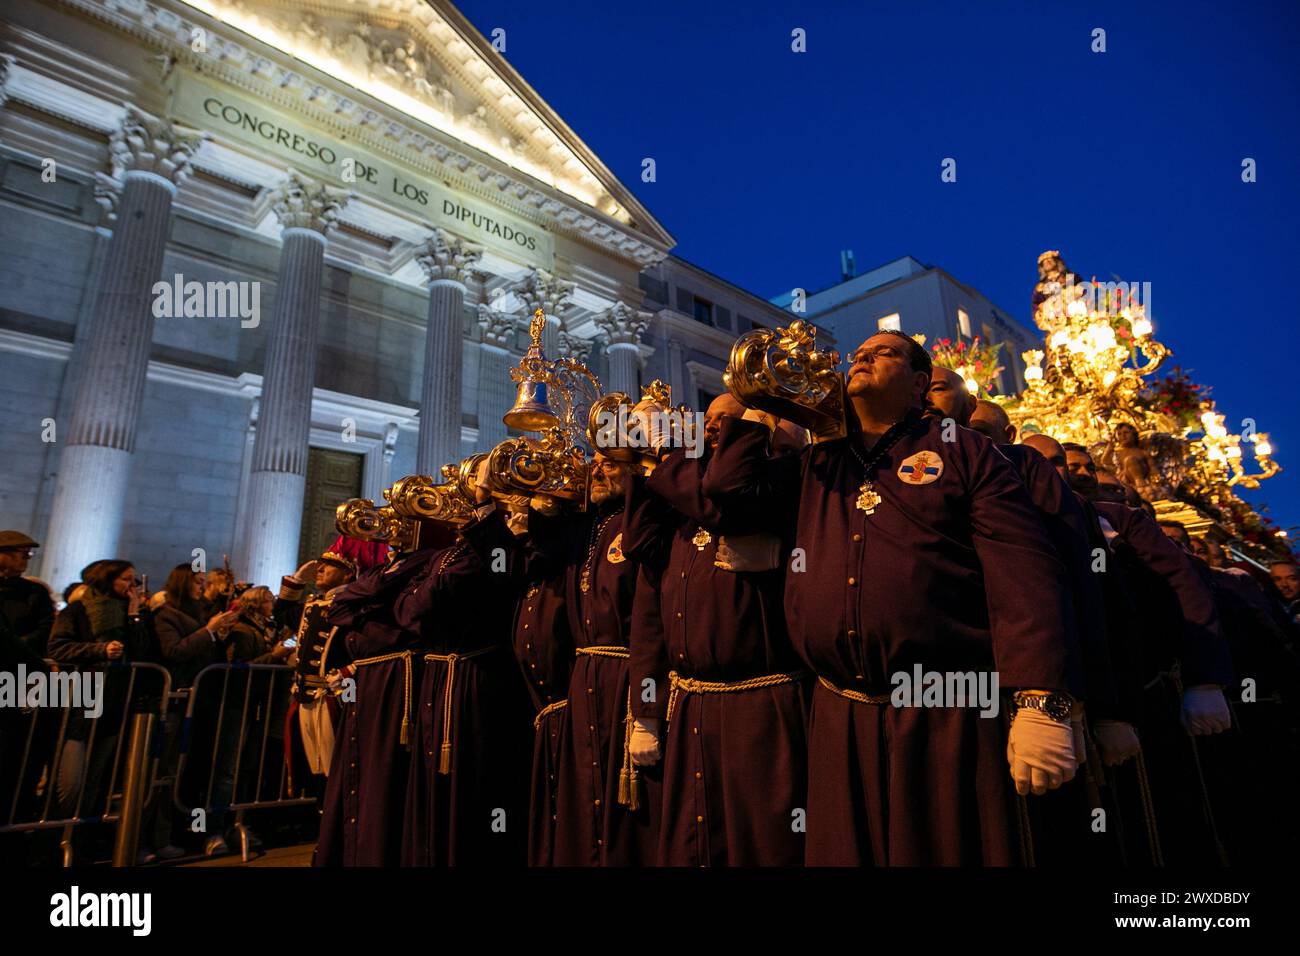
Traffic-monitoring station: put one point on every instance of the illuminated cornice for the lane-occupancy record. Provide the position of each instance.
(259, 62)
(353, 66)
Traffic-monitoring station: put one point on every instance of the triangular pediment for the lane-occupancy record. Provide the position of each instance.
(425, 60)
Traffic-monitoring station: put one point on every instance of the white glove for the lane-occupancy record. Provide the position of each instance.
(748, 552)
(306, 573)
(1040, 751)
(643, 745)
(1117, 741)
(1205, 710)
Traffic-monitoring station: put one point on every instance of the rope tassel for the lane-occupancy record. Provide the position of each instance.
(628, 791)
(444, 758)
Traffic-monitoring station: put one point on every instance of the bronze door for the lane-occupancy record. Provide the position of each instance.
(332, 477)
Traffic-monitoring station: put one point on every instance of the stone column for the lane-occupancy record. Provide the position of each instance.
(496, 390)
(245, 471)
(150, 156)
(623, 326)
(541, 290)
(278, 475)
(446, 261)
(677, 377)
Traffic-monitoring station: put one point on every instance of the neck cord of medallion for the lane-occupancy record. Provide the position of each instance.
(597, 529)
(868, 498)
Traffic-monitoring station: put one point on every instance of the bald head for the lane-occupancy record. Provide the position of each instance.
(947, 396)
(1049, 448)
(722, 407)
(989, 418)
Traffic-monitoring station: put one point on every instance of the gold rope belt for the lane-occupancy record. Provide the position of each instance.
(547, 711)
(628, 790)
(854, 695)
(405, 656)
(444, 754)
(691, 685)
(603, 650)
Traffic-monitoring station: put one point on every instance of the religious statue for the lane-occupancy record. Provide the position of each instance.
(1136, 466)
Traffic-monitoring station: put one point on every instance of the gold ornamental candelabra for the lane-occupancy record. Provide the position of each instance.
(783, 372)
(1092, 384)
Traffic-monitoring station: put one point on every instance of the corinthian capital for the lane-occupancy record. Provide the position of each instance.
(541, 290)
(623, 324)
(573, 347)
(498, 327)
(444, 256)
(147, 144)
(301, 203)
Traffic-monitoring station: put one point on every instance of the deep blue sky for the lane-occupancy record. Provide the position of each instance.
(1129, 162)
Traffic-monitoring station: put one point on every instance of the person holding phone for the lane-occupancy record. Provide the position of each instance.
(100, 630)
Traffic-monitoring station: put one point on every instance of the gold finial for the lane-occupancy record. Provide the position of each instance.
(537, 326)
(657, 392)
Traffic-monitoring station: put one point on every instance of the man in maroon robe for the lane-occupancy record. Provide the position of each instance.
(605, 807)
(467, 792)
(1064, 823)
(1183, 660)
(544, 649)
(913, 554)
(365, 793)
(543, 646)
(711, 656)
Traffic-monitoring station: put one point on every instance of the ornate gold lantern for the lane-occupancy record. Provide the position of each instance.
(628, 435)
(359, 518)
(783, 373)
(417, 497)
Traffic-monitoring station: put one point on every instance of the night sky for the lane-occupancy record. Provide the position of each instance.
(1129, 161)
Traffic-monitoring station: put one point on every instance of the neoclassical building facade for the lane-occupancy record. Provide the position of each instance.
(263, 256)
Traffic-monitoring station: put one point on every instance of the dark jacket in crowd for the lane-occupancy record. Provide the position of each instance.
(74, 641)
(185, 643)
(28, 610)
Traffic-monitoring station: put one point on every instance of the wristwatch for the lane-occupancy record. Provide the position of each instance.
(1054, 704)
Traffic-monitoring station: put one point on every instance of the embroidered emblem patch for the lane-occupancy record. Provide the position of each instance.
(615, 553)
(921, 468)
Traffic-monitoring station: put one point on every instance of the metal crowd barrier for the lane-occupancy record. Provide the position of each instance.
(83, 750)
(240, 734)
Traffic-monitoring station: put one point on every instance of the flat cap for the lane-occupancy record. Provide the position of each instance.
(16, 539)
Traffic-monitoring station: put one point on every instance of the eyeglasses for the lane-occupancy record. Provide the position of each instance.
(879, 351)
(25, 552)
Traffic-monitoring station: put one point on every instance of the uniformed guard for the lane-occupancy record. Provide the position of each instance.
(313, 709)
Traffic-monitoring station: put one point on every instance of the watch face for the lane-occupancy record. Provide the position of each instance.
(1057, 707)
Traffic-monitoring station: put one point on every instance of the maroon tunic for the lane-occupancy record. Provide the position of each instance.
(1062, 821)
(466, 801)
(592, 827)
(1201, 648)
(953, 572)
(544, 649)
(734, 763)
(366, 788)
(1176, 629)
(1067, 527)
